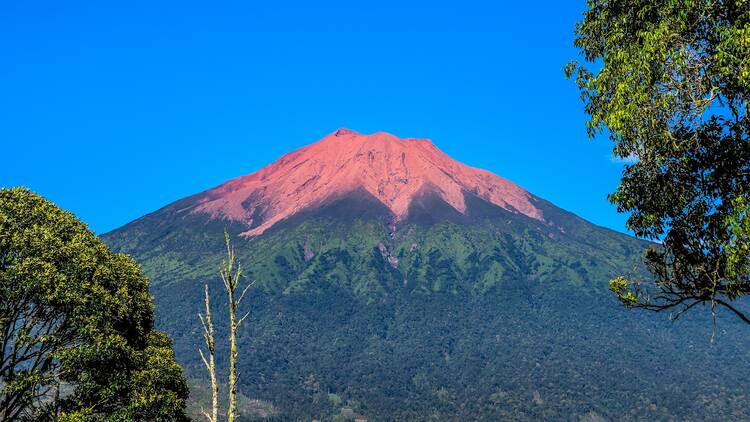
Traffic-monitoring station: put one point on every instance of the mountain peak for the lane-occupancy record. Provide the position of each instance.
(393, 170)
(374, 137)
(344, 132)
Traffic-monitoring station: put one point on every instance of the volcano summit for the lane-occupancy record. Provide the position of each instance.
(393, 171)
(398, 284)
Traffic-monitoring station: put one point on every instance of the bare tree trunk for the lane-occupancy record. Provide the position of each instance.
(208, 335)
(232, 360)
(230, 275)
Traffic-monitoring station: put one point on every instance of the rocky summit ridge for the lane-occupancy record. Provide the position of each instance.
(393, 170)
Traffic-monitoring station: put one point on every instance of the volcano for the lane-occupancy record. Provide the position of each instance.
(393, 171)
(395, 283)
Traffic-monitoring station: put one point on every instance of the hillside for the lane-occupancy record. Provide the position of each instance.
(396, 283)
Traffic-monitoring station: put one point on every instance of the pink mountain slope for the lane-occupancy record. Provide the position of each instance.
(392, 169)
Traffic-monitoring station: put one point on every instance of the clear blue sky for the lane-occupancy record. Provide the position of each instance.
(113, 111)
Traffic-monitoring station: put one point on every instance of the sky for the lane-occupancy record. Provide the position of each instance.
(113, 110)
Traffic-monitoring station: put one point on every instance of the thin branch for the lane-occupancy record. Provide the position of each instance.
(674, 317)
(242, 319)
(203, 358)
(739, 314)
(203, 323)
(242, 296)
(206, 415)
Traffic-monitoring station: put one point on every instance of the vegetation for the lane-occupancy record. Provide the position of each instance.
(363, 256)
(231, 272)
(210, 339)
(230, 276)
(496, 318)
(453, 357)
(76, 322)
(669, 83)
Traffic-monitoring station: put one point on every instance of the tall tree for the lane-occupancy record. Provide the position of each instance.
(209, 338)
(76, 324)
(230, 275)
(668, 81)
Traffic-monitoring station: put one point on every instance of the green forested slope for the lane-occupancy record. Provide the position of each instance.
(483, 316)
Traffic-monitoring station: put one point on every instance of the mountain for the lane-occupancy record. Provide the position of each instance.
(396, 283)
(395, 172)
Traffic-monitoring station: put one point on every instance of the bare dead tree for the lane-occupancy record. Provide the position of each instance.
(231, 273)
(208, 336)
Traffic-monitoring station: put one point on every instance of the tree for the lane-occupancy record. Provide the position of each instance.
(76, 324)
(668, 81)
(231, 273)
(209, 338)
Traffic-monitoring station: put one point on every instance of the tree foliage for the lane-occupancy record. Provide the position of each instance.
(77, 324)
(454, 357)
(668, 81)
(475, 318)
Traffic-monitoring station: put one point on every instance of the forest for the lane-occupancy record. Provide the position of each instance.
(367, 277)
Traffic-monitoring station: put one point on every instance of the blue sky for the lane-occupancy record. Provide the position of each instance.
(114, 110)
